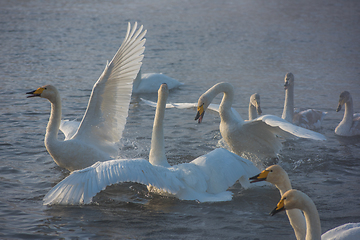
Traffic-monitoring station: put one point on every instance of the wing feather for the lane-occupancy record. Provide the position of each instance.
(280, 124)
(82, 185)
(105, 116)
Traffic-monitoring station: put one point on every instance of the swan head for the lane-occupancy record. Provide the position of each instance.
(290, 200)
(203, 104)
(288, 80)
(255, 101)
(48, 91)
(344, 98)
(163, 90)
(274, 174)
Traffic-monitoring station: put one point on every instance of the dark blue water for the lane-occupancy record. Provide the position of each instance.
(251, 44)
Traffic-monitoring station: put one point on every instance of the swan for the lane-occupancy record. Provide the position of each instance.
(254, 106)
(276, 175)
(150, 82)
(350, 124)
(306, 118)
(204, 179)
(258, 137)
(295, 199)
(101, 127)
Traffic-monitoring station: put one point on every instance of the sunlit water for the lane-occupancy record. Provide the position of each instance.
(251, 44)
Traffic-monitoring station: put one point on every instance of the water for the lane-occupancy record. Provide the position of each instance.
(251, 44)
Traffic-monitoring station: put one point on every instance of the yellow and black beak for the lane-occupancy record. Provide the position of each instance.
(200, 113)
(279, 207)
(260, 177)
(341, 102)
(36, 93)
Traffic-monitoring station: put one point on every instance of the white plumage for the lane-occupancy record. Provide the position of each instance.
(306, 118)
(102, 125)
(350, 124)
(150, 82)
(259, 137)
(204, 179)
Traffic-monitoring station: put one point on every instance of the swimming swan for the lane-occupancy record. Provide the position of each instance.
(150, 82)
(350, 124)
(276, 175)
(204, 179)
(254, 106)
(294, 199)
(306, 118)
(94, 138)
(259, 136)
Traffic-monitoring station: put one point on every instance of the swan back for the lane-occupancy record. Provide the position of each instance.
(157, 152)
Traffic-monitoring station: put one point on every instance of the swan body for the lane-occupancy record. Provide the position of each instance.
(294, 199)
(150, 82)
(204, 179)
(94, 139)
(350, 124)
(259, 136)
(306, 118)
(277, 176)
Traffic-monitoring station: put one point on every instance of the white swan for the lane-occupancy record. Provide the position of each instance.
(254, 106)
(350, 124)
(306, 118)
(204, 179)
(294, 199)
(276, 175)
(259, 136)
(94, 138)
(150, 82)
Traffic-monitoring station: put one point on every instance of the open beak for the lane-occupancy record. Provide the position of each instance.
(279, 207)
(260, 177)
(200, 113)
(35, 93)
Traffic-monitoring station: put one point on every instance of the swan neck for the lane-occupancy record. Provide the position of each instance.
(349, 111)
(252, 112)
(288, 112)
(284, 186)
(157, 152)
(227, 100)
(313, 225)
(53, 126)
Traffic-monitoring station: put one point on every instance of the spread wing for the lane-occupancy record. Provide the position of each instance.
(283, 128)
(82, 185)
(107, 110)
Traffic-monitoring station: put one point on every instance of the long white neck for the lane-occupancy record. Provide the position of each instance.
(157, 152)
(284, 185)
(288, 112)
(313, 225)
(348, 115)
(252, 112)
(225, 111)
(53, 126)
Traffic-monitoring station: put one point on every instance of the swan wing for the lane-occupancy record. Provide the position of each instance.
(69, 128)
(213, 107)
(107, 110)
(82, 185)
(283, 128)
